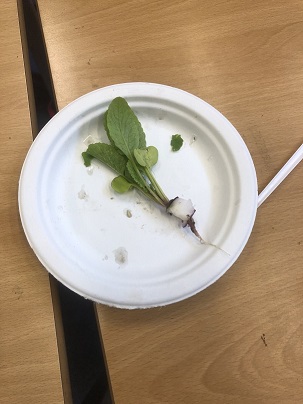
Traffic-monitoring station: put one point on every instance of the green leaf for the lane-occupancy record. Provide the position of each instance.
(87, 158)
(121, 185)
(107, 130)
(109, 155)
(126, 135)
(176, 142)
(106, 127)
(124, 127)
(146, 157)
(142, 140)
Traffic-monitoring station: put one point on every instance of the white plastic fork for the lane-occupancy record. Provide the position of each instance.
(281, 175)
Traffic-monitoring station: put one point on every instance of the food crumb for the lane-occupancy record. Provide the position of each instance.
(89, 140)
(128, 213)
(121, 255)
(82, 194)
(90, 170)
(193, 139)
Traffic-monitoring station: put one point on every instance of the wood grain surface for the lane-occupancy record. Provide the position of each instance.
(241, 340)
(29, 369)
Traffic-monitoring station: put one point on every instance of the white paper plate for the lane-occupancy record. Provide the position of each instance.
(121, 250)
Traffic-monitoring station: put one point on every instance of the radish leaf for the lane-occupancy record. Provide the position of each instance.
(135, 175)
(121, 185)
(124, 127)
(108, 155)
(146, 157)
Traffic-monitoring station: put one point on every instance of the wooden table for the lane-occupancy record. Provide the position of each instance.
(241, 340)
(29, 370)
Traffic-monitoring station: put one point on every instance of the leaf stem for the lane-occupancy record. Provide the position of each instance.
(156, 186)
(149, 195)
(157, 198)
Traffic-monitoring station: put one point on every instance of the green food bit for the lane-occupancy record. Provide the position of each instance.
(176, 142)
(87, 158)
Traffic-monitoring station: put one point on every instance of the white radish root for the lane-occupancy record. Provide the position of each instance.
(184, 210)
(181, 208)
